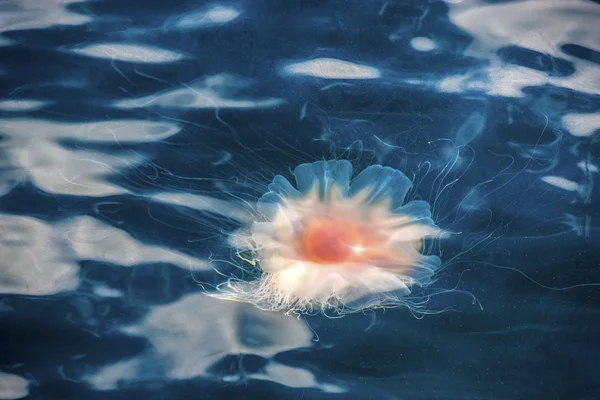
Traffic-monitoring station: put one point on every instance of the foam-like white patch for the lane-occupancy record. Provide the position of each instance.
(331, 68)
(129, 52)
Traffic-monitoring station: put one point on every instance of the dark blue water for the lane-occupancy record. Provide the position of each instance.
(132, 131)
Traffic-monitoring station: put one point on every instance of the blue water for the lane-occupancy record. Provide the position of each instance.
(131, 130)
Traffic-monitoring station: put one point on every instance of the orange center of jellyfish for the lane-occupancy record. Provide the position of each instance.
(329, 240)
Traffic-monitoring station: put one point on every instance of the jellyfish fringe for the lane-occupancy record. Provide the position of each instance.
(368, 250)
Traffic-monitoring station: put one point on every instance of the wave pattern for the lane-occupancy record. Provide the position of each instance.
(136, 138)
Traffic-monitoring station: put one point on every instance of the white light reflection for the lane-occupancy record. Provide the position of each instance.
(212, 92)
(35, 260)
(542, 26)
(580, 124)
(129, 53)
(215, 15)
(17, 105)
(192, 334)
(30, 150)
(42, 259)
(35, 14)
(13, 386)
(562, 183)
(423, 44)
(331, 68)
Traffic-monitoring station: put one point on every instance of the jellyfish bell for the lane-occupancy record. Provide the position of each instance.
(333, 243)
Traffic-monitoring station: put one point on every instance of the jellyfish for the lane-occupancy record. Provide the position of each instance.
(333, 243)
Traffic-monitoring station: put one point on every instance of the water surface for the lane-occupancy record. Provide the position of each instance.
(121, 120)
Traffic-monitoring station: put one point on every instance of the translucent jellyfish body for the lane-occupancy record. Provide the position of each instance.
(333, 243)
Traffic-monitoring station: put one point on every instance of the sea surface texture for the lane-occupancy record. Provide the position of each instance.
(135, 135)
